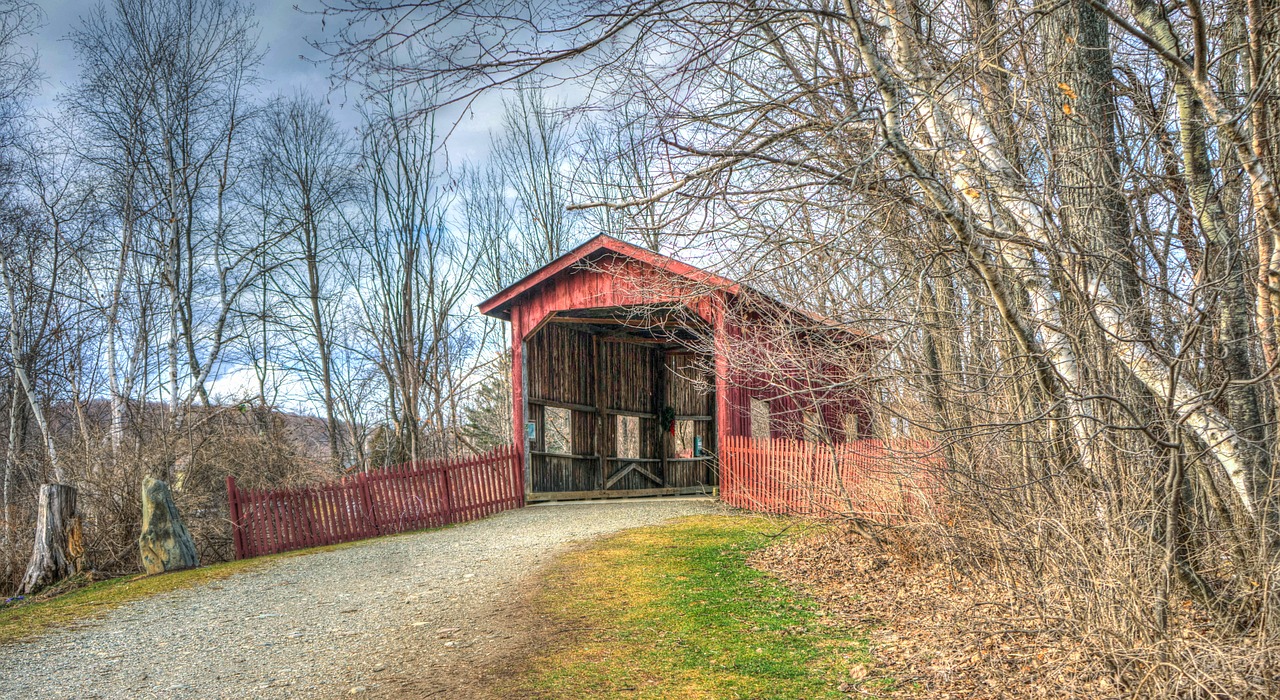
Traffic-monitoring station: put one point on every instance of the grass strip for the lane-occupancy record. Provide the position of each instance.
(676, 612)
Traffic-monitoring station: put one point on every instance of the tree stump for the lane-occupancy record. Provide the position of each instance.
(51, 560)
(165, 543)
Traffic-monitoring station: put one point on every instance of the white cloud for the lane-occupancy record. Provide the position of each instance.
(283, 389)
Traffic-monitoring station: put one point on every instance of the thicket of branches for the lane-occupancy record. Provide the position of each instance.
(1064, 216)
(204, 278)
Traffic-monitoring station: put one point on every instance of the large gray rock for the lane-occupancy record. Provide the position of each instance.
(165, 543)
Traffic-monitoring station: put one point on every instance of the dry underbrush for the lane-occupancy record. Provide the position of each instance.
(943, 629)
(261, 448)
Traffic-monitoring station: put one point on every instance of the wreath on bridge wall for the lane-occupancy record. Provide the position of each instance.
(668, 417)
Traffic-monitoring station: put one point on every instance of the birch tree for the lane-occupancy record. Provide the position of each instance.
(307, 177)
(1067, 213)
(174, 73)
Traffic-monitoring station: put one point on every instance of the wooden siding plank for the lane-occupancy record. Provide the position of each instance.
(397, 499)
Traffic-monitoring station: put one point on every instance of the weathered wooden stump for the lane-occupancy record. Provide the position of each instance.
(51, 558)
(165, 543)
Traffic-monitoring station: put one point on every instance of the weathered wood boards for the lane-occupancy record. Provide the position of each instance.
(601, 381)
(886, 481)
(406, 497)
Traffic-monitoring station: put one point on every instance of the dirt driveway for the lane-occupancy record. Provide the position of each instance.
(428, 615)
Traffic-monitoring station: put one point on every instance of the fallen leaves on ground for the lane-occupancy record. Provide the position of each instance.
(935, 633)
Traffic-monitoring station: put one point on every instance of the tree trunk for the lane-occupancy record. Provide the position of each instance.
(54, 556)
(1082, 125)
(10, 461)
(312, 240)
(1264, 45)
(998, 183)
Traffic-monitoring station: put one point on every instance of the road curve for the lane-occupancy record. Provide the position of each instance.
(431, 614)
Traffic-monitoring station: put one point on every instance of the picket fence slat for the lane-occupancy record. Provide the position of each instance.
(401, 498)
(881, 480)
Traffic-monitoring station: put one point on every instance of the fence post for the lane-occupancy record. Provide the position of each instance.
(363, 482)
(517, 474)
(237, 527)
(446, 491)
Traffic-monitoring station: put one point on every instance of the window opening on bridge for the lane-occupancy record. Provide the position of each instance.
(814, 429)
(851, 426)
(684, 440)
(759, 419)
(557, 430)
(628, 437)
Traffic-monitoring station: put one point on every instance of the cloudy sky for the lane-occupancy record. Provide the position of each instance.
(284, 32)
(286, 69)
(288, 66)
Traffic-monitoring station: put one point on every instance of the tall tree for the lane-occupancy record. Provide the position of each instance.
(308, 175)
(620, 160)
(533, 150)
(165, 80)
(418, 271)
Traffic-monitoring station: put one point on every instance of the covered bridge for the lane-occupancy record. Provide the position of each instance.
(625, 379)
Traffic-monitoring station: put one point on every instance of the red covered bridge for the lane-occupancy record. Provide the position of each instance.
(630, 368)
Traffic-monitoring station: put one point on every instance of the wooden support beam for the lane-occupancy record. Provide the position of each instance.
(633, 466)
(659, 402)
(522, 406)
(601, 430)
(609, 321)
(537, 327)
(635, 414)
(561, 404)
(634, 340)
(625, 493)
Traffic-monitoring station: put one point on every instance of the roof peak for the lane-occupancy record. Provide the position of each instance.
(498, 304)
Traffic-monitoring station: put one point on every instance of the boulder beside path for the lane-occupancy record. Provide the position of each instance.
(165, 544)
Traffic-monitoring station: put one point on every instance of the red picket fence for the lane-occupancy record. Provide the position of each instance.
(405, 497)
(878, 480)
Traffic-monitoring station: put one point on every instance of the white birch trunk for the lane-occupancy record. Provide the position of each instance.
(980, 173)
(24, 382)
(119, 390)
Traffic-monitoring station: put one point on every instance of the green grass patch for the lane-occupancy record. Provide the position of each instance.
(676, 612)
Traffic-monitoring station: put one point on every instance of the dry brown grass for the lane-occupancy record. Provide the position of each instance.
(940, 634)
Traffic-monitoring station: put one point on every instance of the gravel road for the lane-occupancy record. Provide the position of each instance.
(427, 615)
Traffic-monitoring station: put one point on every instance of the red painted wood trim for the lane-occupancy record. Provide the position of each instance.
(493, 306)
(237, 525)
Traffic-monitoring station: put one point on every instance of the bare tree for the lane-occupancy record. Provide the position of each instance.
(620, 158)
(307, 177)
(174, 72)
(1091, 342)
(533, 150)
(418, 272)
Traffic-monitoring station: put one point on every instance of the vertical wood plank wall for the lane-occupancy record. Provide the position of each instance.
(884, 481)
(600, 378)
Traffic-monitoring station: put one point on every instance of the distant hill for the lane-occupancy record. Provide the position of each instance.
(306, 434)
